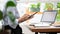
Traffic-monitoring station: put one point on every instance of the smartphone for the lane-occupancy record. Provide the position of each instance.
(33, 14)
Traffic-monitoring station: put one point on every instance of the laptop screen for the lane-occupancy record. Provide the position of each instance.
(49, 16)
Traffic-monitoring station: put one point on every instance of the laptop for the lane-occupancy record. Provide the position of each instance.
(48, 18)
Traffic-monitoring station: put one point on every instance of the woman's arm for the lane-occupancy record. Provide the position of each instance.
(23, 18)
(26, 17)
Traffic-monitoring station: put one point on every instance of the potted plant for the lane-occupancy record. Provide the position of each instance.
(35, 8)
(48, 6)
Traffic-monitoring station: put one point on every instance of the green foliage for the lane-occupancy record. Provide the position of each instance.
(58, 5)
(35, 7)
(11, 16)
(10, 4)
(48, 5)
(59, 11)
(1, 15)
(58, 15)
(38, 5)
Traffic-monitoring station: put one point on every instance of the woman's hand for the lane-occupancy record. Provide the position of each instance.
(25, 17)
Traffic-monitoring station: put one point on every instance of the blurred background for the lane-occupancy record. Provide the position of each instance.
(24, 6)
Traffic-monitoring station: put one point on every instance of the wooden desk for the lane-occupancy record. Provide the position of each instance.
(50, 30)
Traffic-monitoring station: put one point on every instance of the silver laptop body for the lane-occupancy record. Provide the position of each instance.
(48, 18)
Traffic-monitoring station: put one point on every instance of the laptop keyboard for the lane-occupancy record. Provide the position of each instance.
(41, 24)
